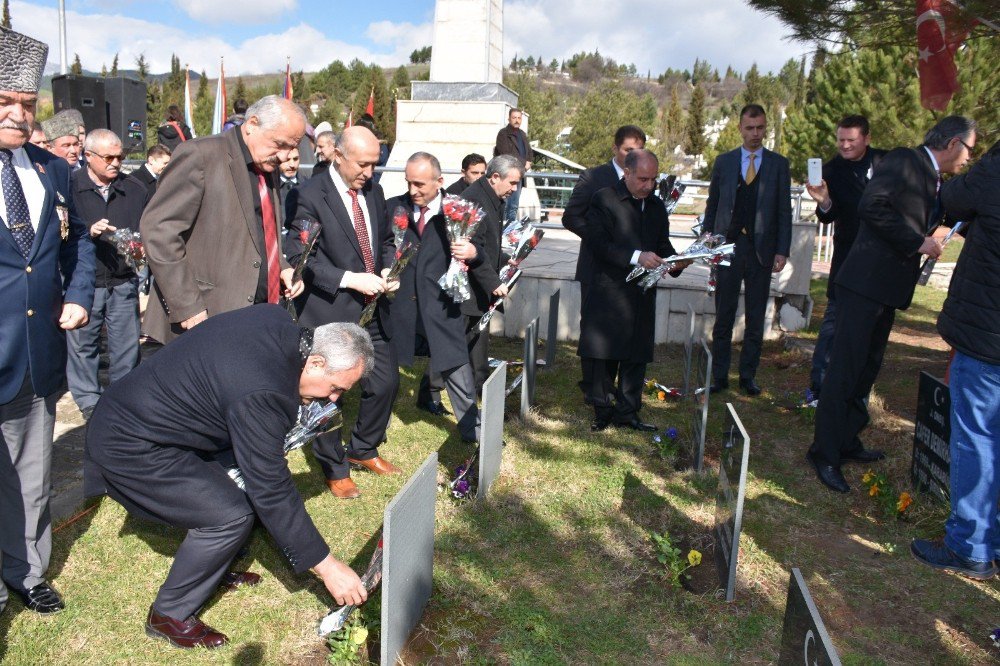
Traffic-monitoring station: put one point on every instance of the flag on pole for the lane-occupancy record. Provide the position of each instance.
(370, 109)
(350, 119)
(219, 111)
(941, 29)
(287, 92)
(188, 115)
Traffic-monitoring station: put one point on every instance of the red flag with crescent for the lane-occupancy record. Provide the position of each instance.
(941, 29)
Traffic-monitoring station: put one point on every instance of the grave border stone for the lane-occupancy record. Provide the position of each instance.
(701, 395)
(491, 430)
(931, 459)
(529, 368)
(795, 620)
(729, 513)
(553, 332)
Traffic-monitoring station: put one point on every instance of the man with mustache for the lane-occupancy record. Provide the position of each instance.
(63, 136)
(212, 230)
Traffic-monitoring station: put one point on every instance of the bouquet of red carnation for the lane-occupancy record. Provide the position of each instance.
(129, 245)
(337, 617)
(513, 233)
(404, 254)
(308, 232)
(528, 241)
(461, 219)
(670, 192)
(708, 249)
(400, 223)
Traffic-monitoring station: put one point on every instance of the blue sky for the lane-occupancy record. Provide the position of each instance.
(255, 36)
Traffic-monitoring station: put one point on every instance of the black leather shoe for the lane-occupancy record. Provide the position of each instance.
(190, 633)
(863, 456)
(937, 555)
(719, 386)
(636, 424)
(831, 476)
(599, 425)
(435, 408)
(42, 599)
(749, 386)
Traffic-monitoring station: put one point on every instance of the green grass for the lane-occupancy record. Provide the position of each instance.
(555, 566)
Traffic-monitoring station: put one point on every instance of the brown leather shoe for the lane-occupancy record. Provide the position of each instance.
(236, 579)
(378, 465)
(191, 633)
(343, 488)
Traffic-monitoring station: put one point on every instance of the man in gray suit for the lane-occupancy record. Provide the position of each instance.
(749, 202)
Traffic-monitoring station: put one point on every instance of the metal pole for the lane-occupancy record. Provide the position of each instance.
(63, 68)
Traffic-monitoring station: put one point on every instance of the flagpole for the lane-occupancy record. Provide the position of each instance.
(62, 37)
(988, 24)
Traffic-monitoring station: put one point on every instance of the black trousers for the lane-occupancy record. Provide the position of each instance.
(859, 342)
(745, 270)
(378, 392)
(620, 403)
(479, 351)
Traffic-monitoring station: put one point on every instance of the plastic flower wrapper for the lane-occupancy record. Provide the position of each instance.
(461, 218)
(466, 478)
(337, 617)
(128, 244)
(511, 272)
(400, 223)
(670, 191)
(995, 637)
(710, 249)
(308, 232)
(404, 254)
(513, 233)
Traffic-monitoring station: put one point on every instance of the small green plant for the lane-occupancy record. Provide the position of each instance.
(892, 504)
(671, 558)
(345, 645)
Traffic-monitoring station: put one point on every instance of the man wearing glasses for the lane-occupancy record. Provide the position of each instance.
(107, 200)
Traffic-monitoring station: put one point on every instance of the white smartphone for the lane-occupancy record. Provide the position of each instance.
(815, 171)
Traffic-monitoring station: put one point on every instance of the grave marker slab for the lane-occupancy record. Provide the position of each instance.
(804, 639)
(491, 429)
(530, 368)
(700, 394)
(729, 500)
(408, 558)
(553, 334)
(931, 466)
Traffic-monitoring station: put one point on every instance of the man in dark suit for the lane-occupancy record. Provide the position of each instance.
(289, 180)
(627, 226)
(473, 168)
(47, 282)
(157, 158)
(425, 320)
(749, 202)
(161, 441)
(354, 251)
(837, 197)
(511, 140)
(212, 231)
(899, 211)
(627, 139)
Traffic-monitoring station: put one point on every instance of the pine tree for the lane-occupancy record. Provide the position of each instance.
(114, 66)
(104, 71)
(673, 120)
(203, 103)
(239, 92)
(384, 116)
(400, 84)
(606, 106)
(729, 138)
(300, 86)
(5, 21)
(76, 68)
(142, 66)
(695, 133)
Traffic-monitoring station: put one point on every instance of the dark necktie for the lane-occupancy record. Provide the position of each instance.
(18, 216)
(422, 221)
(270, 240)
(361, 231)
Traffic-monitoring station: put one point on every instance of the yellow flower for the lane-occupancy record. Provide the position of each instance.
(661, 395)
(869, 475)
(873, 491)
(904, 502)
(694, 558)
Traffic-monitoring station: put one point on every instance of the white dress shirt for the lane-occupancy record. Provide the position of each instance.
(34, 191)
(342, 188)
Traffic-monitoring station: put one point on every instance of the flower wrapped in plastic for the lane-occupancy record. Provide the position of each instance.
(661, 392)
(128, 244)
(709, 249)
(404, 254)
(509, 274)
(466, 478)
(461, 218)
(337, 617)
(513, 233)
(308, 232)
(670, 191)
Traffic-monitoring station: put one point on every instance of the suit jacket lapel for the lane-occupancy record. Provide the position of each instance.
(340, 213)
(47, 210)
(241, 181)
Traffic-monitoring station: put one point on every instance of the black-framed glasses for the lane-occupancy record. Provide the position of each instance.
(120, 157)
(967, 146)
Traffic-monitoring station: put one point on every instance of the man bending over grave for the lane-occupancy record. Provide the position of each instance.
(161, 439)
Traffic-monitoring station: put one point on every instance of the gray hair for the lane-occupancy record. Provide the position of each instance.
(948, 128)
(99, 137)
(274, 110)
(343, 346)
(633, 158)
(329, 134)
(503, 165)
(421, 156)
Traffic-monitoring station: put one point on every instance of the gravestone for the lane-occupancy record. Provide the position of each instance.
(930, 469)
(701, 382)
(553, 334)
(689, 344)
(408, 558)
(491, 429)
(729, 500)
(529, 368)
(804, 639)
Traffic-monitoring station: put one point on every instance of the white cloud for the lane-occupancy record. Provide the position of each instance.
(246, 11)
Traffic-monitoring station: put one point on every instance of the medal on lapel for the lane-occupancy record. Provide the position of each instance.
(63, 213)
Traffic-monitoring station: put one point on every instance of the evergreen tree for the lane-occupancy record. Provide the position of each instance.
(695, 132)
(754, 91)
(76, 68)
(104, 71)
(5, 21)
(300, 86)
(240, 92)
(204, 102)
(142, 67)
(673, 125)
(384, 116)
(399, 87)
(729, 138)
(547, 113)
(554, 65)
(607, 106)
(114, 66)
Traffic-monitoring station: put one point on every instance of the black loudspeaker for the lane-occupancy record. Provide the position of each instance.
(83, 93)
(127, 112)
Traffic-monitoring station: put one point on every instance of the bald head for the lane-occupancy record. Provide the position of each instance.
(273, 128)
(356, 155)
(641, 167)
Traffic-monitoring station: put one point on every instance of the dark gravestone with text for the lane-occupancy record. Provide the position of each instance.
(553, 333)
(530, 367)
(408, 558)
(701, 382)
(491, 429)
(931, 455)
(729, 500)
(804, 639)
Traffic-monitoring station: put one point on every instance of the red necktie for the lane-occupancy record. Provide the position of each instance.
(422, 221)
(362, 233)
(270, 240)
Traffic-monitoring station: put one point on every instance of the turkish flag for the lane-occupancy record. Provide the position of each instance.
(941, 29)
(370, 109)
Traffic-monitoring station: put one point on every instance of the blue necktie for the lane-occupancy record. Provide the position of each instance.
(18, 217)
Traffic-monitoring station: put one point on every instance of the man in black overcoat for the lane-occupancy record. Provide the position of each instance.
(161, 439)
(899, 211)
(354, 251)
(627, 139)
(627, 226)
(425, 319)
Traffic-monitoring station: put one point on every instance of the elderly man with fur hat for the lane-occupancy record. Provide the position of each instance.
(47, 279)
(63, 134)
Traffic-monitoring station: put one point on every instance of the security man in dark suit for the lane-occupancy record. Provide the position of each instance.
(354, 251)
(473, 168)
(627, 226)
(837, 198)
(749, 202)
(900, 210)
(157, 159)
(627, 139)
(161, 440)
(47, 282)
